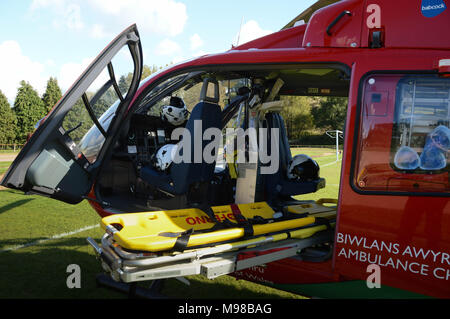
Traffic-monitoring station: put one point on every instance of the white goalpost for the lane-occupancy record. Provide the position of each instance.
(336, 134)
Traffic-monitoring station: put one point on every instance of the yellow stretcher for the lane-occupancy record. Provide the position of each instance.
(139, 246)
(158, 231)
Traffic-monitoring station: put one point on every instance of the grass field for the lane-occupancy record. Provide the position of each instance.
(4, 166)
(40, 237)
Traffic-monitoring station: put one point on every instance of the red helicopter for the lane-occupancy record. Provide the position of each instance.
(391, 59)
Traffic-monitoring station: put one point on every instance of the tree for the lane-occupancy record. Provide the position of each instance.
(146, 71)
(77, 117)
(124, 84)
(297, 115)
(52, 94)
(125, 80)
(8, 121)
(330, 113)
(29, 109)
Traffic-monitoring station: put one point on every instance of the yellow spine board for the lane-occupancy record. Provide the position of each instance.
(149, 231)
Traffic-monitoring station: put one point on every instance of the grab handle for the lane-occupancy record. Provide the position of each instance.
(339, 17)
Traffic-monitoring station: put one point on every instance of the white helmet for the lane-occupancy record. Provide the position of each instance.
(176, 112)
(164, 156)
(303, 167)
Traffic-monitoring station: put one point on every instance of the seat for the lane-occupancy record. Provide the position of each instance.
(184, 174)
(277, 186)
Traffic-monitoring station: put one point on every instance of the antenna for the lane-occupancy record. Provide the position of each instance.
(239, 34)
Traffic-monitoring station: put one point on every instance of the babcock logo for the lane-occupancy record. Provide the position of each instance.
(432, 8)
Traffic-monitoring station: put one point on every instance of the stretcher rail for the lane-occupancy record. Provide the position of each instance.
(210, 262)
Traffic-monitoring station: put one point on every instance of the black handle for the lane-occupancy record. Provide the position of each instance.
(339, 17)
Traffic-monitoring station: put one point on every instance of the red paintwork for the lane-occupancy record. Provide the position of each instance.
(411, 42)
(289, 38)
(406, 27)
(346, 32)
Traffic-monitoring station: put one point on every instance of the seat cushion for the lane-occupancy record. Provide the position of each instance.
(156, 178)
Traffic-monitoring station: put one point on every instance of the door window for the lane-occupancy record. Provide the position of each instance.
(88, 121)
(51, 162)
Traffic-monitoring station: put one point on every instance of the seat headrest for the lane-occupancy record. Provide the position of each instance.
(203, 93)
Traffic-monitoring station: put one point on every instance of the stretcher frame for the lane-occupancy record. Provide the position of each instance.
(211, 262)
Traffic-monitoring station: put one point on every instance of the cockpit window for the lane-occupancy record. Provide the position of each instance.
(165, 85)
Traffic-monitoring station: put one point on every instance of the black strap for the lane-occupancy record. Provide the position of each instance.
(323, 221)
(208, 211)
(183, 237)
(255, 220)
(183, 240)
(242, 221)
(217, 224)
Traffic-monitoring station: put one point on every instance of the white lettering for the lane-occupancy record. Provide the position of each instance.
(74, 279)
(445, 257)
(264, 157)
(420, 251)
(445, 273)
(417, 263)
(430, 7)
(374, 18)
(211, 150)
(195, 309)
(374, 279)
(435, 255)
(342, 252)
(407, 251)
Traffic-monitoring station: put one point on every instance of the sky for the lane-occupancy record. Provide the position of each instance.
(59, 38)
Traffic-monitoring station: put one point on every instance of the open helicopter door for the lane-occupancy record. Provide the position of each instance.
(63, 156)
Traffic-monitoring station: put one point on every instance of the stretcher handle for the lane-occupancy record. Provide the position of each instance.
(94, 245)
(109, 223)
(326, 201)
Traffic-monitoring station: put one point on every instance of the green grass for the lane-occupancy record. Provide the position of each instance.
(4, 167)
(39, 270)
(329, 169)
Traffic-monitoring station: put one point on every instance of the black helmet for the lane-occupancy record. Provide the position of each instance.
(304, 168)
